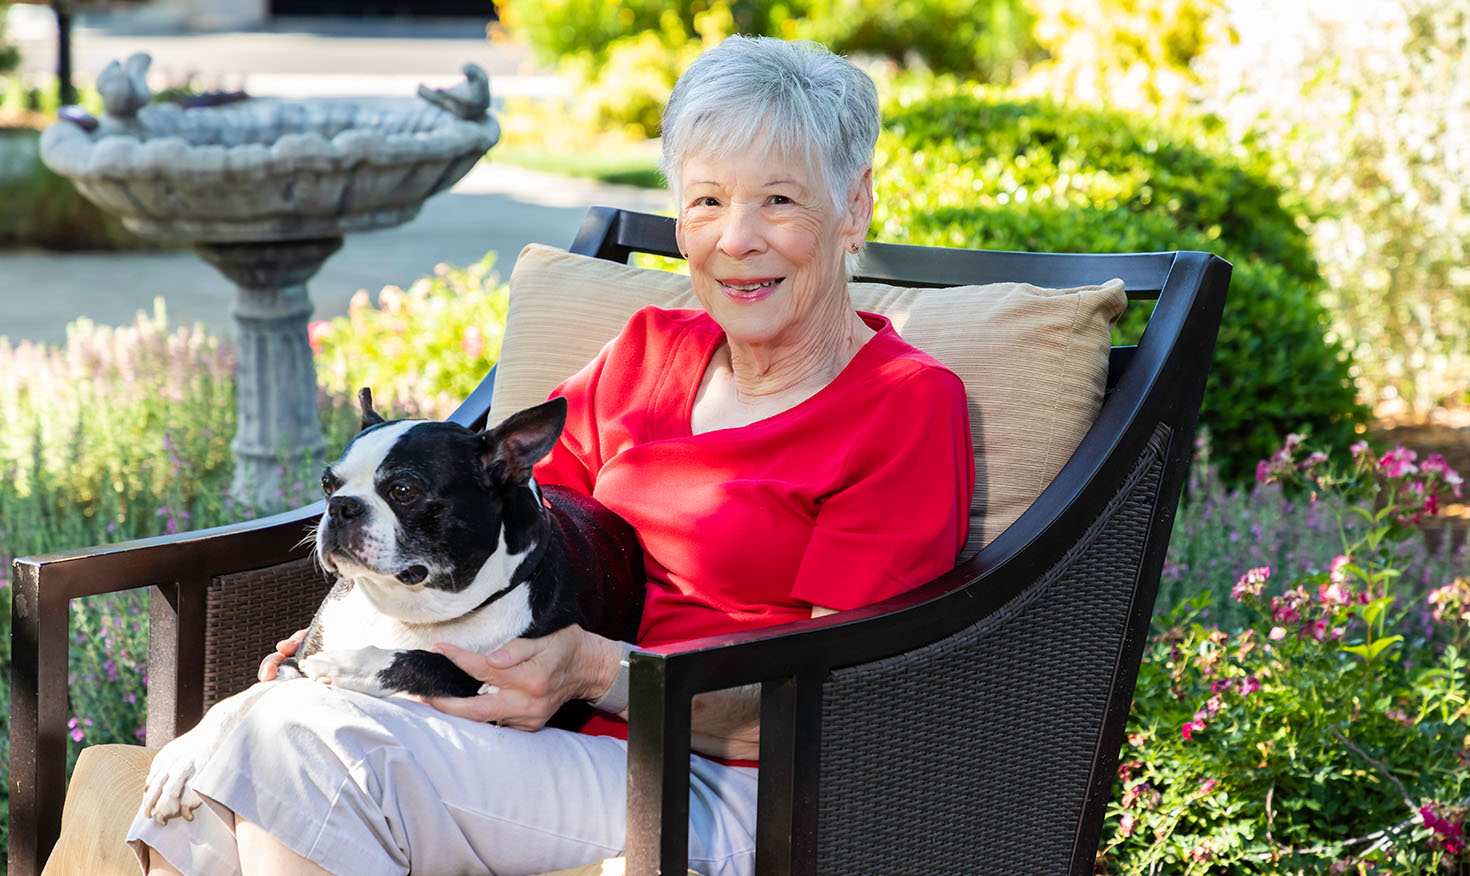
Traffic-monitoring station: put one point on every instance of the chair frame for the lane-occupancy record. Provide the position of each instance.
(1153, 398)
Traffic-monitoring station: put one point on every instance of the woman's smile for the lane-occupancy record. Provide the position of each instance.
(751, 290)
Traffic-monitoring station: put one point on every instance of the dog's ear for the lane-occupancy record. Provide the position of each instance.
(365, 402)
(509, 450)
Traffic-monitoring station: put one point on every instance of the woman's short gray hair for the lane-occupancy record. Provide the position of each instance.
(788, 97)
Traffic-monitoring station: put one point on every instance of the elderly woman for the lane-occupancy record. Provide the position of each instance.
(780, 455)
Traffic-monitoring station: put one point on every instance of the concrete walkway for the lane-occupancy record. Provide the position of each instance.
(496, 207)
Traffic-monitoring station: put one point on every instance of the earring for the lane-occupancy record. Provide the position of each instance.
(854, 249)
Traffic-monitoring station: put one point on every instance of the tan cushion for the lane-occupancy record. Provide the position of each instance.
(1034, 361)
(103, 797)
(106, 788)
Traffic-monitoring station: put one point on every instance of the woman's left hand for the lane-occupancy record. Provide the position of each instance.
(532, 678)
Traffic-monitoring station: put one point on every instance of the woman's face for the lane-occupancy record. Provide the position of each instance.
(766, 245)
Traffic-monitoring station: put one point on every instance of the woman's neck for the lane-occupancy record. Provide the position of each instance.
(760, 372)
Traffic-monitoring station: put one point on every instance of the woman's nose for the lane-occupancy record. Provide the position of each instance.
(741, 233)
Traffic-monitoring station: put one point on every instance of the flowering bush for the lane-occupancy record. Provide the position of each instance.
(422, 351)
(1330, 733)
(1222, 531)
(124, 433)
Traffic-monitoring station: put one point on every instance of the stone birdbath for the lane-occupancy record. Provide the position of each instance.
(265, 189)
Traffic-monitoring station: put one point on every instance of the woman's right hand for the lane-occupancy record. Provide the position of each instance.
(284, 648)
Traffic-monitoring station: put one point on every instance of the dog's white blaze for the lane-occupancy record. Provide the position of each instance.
(357, 469)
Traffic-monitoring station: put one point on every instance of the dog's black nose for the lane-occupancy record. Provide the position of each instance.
(343, 508)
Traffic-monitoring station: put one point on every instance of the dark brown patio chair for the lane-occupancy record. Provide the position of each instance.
(969, 726)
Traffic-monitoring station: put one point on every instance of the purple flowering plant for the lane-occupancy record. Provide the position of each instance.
(1329, 730)
(124, 433)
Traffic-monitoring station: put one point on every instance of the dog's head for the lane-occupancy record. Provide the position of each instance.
(432, 519)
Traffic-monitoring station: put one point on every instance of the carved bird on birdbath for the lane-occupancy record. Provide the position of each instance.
(124, 90)
(468, 100)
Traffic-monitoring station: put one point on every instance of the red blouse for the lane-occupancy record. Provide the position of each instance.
(856, 494)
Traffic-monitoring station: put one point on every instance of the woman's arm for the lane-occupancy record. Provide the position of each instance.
(532, 678)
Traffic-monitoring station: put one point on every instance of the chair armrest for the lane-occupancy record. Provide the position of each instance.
(790, 661)
(178, 568)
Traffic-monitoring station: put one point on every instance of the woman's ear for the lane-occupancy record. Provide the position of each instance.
(860, 207)
(679, 235)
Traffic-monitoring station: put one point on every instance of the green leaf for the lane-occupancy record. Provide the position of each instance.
(1371, 652)
(1373, 610)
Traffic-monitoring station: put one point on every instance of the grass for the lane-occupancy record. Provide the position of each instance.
(632, 165)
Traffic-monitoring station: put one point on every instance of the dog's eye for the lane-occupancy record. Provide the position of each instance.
(328, 485)
(401, 493)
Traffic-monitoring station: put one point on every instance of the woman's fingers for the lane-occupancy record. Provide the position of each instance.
(526, 680)
(271, 665)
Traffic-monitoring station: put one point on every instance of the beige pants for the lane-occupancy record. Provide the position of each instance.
(368, 786)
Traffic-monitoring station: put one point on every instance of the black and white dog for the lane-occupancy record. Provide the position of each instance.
(437, 534)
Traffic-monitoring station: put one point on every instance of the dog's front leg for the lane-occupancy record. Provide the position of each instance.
(170, 791)
(382, 671)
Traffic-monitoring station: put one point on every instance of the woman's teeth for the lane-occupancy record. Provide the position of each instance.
(751, 287)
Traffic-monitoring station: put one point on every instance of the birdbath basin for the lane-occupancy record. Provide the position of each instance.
(265, 189)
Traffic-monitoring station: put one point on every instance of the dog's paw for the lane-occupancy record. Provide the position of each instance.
(169, 792)
(351, 669)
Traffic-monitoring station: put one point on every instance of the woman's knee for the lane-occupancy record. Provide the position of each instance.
(306, 717)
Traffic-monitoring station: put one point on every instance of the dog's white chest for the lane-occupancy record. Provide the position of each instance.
(352, 622)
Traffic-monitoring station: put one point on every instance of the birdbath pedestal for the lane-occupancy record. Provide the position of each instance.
(265, 189)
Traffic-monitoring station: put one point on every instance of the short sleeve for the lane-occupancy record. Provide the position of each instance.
(607, 402)
(903, 513)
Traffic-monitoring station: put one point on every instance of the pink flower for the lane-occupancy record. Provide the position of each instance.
(1399, 716)
(1250, 583)
(1126, 824)
(1313, 460)
(315, 332)
(1335, 594)
(1448, 835)
(1276, 634)
(1203, 853)
(1208, 785)
(1399, 462)
(1435, 465)
(1249, 685)
(391, 299)
(1190, 728)
(473, 342)
(1335, 568)
(1263, 472)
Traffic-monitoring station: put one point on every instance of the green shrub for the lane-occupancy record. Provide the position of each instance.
(9, 55)
(966, 166)
(988, 41)
(637, 49)
(557, 29)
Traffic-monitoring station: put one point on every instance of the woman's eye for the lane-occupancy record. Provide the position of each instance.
(707, 202)
(780, 199)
